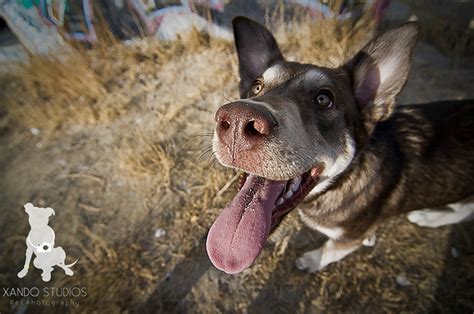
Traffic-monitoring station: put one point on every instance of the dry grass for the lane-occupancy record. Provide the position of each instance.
(48, 92)
(327, 43)
(151, 158)
(90, 87)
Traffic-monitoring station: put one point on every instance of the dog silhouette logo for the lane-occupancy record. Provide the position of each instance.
(40, 241)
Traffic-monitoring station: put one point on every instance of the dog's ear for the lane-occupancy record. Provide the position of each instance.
(256, 48)
(28, 207)
(380, 71)
(50, 211)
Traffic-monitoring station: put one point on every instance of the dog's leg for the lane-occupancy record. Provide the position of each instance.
(24, 271)
(46, 274)
(42, 262)
(332, 251)
(60, 259)
(436, 218)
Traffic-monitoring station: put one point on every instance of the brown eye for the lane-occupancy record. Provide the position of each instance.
(324, 99)
(257, 87)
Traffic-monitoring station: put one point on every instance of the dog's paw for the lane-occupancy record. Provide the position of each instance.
(46, 276)
(22, 273)
(310, 261)
(417, 216)
(370, 241)
(425, 217)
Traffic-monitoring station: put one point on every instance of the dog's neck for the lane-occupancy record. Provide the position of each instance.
(38, 227)
(381, 179)
(369, 182)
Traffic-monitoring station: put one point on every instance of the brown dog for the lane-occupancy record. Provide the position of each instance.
(335, 138)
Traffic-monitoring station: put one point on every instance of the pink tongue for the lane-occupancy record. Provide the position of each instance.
(239, 233)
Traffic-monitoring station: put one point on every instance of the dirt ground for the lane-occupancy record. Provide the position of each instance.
(123, 158)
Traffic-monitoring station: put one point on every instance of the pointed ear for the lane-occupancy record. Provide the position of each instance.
(380, 71)
(256, 48)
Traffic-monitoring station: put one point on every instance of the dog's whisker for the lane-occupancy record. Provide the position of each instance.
(198, 136)
(226, 98)
(206, 152)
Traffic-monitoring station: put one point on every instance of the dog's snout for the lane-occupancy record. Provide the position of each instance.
(242, 126)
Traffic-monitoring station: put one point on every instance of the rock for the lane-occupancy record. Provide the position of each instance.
(160, 232)
(402, 281)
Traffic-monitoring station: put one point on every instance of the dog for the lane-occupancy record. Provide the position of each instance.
(333, 139)
(40, 241)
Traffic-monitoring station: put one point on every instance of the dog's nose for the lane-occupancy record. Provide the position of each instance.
(241, 126)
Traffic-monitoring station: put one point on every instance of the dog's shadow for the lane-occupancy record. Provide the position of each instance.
(169, 293)
(277, 295)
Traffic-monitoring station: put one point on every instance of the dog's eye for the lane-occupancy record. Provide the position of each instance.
(256, 87)
(324, 99)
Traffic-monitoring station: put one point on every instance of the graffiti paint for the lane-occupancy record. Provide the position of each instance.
(89, 34)
(151, 15)
(61, 13)
(27, 25)
(53, 11)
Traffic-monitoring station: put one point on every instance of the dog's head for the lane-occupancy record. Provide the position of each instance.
(295, 129)
(38, 216)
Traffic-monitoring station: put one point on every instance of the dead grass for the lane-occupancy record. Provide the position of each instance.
(48, 92)
(151, 158)
(327, 42)
(89, 87)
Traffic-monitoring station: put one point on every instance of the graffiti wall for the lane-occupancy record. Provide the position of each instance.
(24, 20)
(43, 25)
(74, 17)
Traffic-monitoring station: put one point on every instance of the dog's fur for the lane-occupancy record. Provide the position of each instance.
(380, 160)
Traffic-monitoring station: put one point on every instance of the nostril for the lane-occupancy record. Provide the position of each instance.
(250, 129)
(256, 127)
(224, 125)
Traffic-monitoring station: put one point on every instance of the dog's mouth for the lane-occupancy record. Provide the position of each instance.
(241, 230)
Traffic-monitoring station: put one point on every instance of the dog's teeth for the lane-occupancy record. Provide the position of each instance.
(298, 179)
(288, 194)
(295, 185)
(280, 201)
